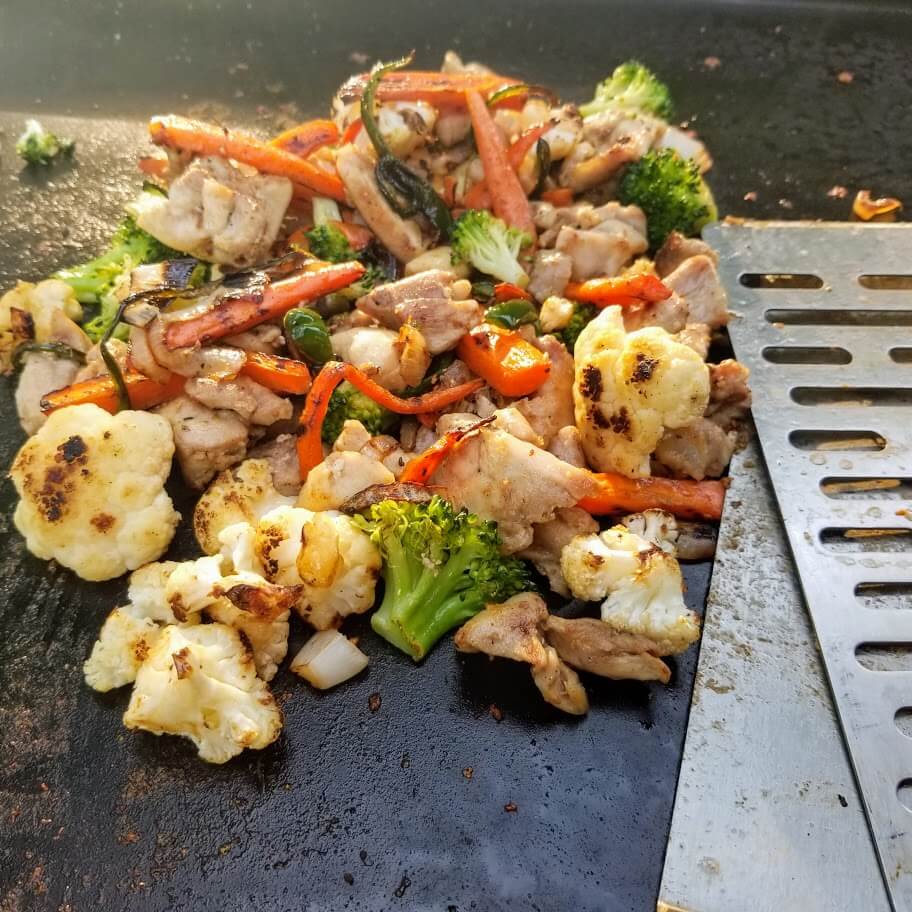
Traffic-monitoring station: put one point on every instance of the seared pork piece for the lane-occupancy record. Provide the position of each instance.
(562, 137)
(591, 645)
(94, 363)
(205, 441)
(677, 249)
(373, 349)
(339, 477)
(696, 336)
(218, 210)
(550, 407)
(266, 338)
(549, 540)
(602, 251)
(282, 455)
(698, 450)
(729, 394)
(551, 271)
(567, 445)
(583, 215)
(41, 374)
(355, 438)
(216, 361)
(697, 282)
(670, 315)
(435, 302)
(511, 482)
(253, 402)
(513, 630)
(402, 237)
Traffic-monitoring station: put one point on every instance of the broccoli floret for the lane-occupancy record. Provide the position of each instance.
(39, 147)
(329, 243)
(631, 87)
(670, 190)
(349, 403)
(582, 314)
(97, 281)
(490, 246)
(440, 566)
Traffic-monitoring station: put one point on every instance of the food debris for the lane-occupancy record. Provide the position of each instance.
(750, 196)
(468, 772)
(128, 838)
(374, 701)
(845, 77)
(837, 191)
(884, 209)
(842, 800)
(786, 203)
(712, 63)
(511, 808)
(348, 878)
(496, 712)
(404, 884)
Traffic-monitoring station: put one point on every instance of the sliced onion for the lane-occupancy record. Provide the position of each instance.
(328, 658)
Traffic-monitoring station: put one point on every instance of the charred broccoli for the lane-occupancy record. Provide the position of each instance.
(582, 314)
(490, 246)
(349, 403)
(330, 243)
(39, 147)
(440, 566)
(670, 190)
(631, 87)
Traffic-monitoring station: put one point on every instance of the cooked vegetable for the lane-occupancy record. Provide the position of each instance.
(631, 88)
(582, 315)
(421, 468)
(57, 349)
(559, 196)
(440, 567)
(670, 190)
(308, 335)
(507, 195)
(506, 291)
(543, 163)
(405, 191)
(442, 90)
(512, 314)
(513, 366)
(125, 638)
(625, 291)
(490, 246)
(281, 375)
(92, 490)
(681, 497)
(325, 211)
(103, 391)
(304, 139)
(328, 658)
(98, 281)
(39, 146)
(207, 139)
(348, 403)
(233, 315)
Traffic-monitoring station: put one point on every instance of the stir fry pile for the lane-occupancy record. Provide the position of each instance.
(424, 358)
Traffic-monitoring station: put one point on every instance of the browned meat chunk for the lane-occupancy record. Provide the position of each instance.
(602, 251)
(697, 282)
(550, 273)
(282, 455)
(41, 374)
(550, 407)
(677, 249)
(567, 445)
(696, 336)
(729, 394)
(549, 540)
(253, 402)
(669, 314)
(698, 450)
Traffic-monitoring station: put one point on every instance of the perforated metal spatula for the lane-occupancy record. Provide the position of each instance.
(824, 322)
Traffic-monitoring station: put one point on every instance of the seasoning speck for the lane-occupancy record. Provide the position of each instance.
(750, 196)
(842, 800)
(404, 884)
(712, 63)
(845, 77)
(837, 191)
(374, 701)
(496, 712)
(348, 878)
(468, 772)
(511, 808)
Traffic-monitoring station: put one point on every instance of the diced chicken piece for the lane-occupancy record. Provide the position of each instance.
(205, 441)
(40, 375)
(670, 315)
(511, 482)
(677, 249)
(513, 630)
(373, 349)
(218, 210)
(687, 146)
(567, 127)
(402, 237)
(549, 540)
(386, 450)
(453, 127)
(282, 455)
(452, 63)
(697, 282)
(266, 338)
(567, 445)
(406, 125)
(550, 407)
(435, 302)
(219, 362)
(340, 476)
(699, 450)
(591, 645)
(729, 394)
(437, 259)
(597, 216)
(696, 336)
(253, 402)
(600, 252)
(551, 272)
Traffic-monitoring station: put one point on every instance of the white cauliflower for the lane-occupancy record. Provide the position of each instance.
(268, 637)
(335, 563)
(643, 585)
(241, 494)
(122, 646)
(92, 489)
(655, 526)
(629, 388)
(200, 682)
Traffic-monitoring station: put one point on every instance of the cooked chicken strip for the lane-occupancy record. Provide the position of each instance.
(551, 270)
(677, 249)
(697, 282)
(589, 644)
(550, 407)
(41, 374)
(729, 394)
(601, 251)
(253, 402)
(513, 630)
(549, 540)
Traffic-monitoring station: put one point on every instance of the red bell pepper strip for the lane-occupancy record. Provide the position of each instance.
(623, 290)
(420, 469)
(281, 375)
(304, 139)
(507, 291)
(510, 364)
(559, 196)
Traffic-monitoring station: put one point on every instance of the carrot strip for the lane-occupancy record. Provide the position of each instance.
(507, 291)
(420, 469)
(153, 165)
(478, 196)
(357, 235)
(623, 290)
(513, 366)
(507, 195)
(234, 315)
(520, 147)
(449, 190)
(206, 139)
(281, 375)
(684, 498)
(351, 131)
(102, 391)
(442, 90)
(309, 444)
(306, 138)
(560, 196)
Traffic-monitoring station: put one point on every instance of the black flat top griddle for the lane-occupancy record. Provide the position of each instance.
(403, 807)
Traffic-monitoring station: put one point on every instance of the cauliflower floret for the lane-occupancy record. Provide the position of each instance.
(629, 388)
(200, 682)
(268, 637)
(92, 489)
(335, 563)
(123, 644)
(241, 494)
(643, 585)
(655, 526)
